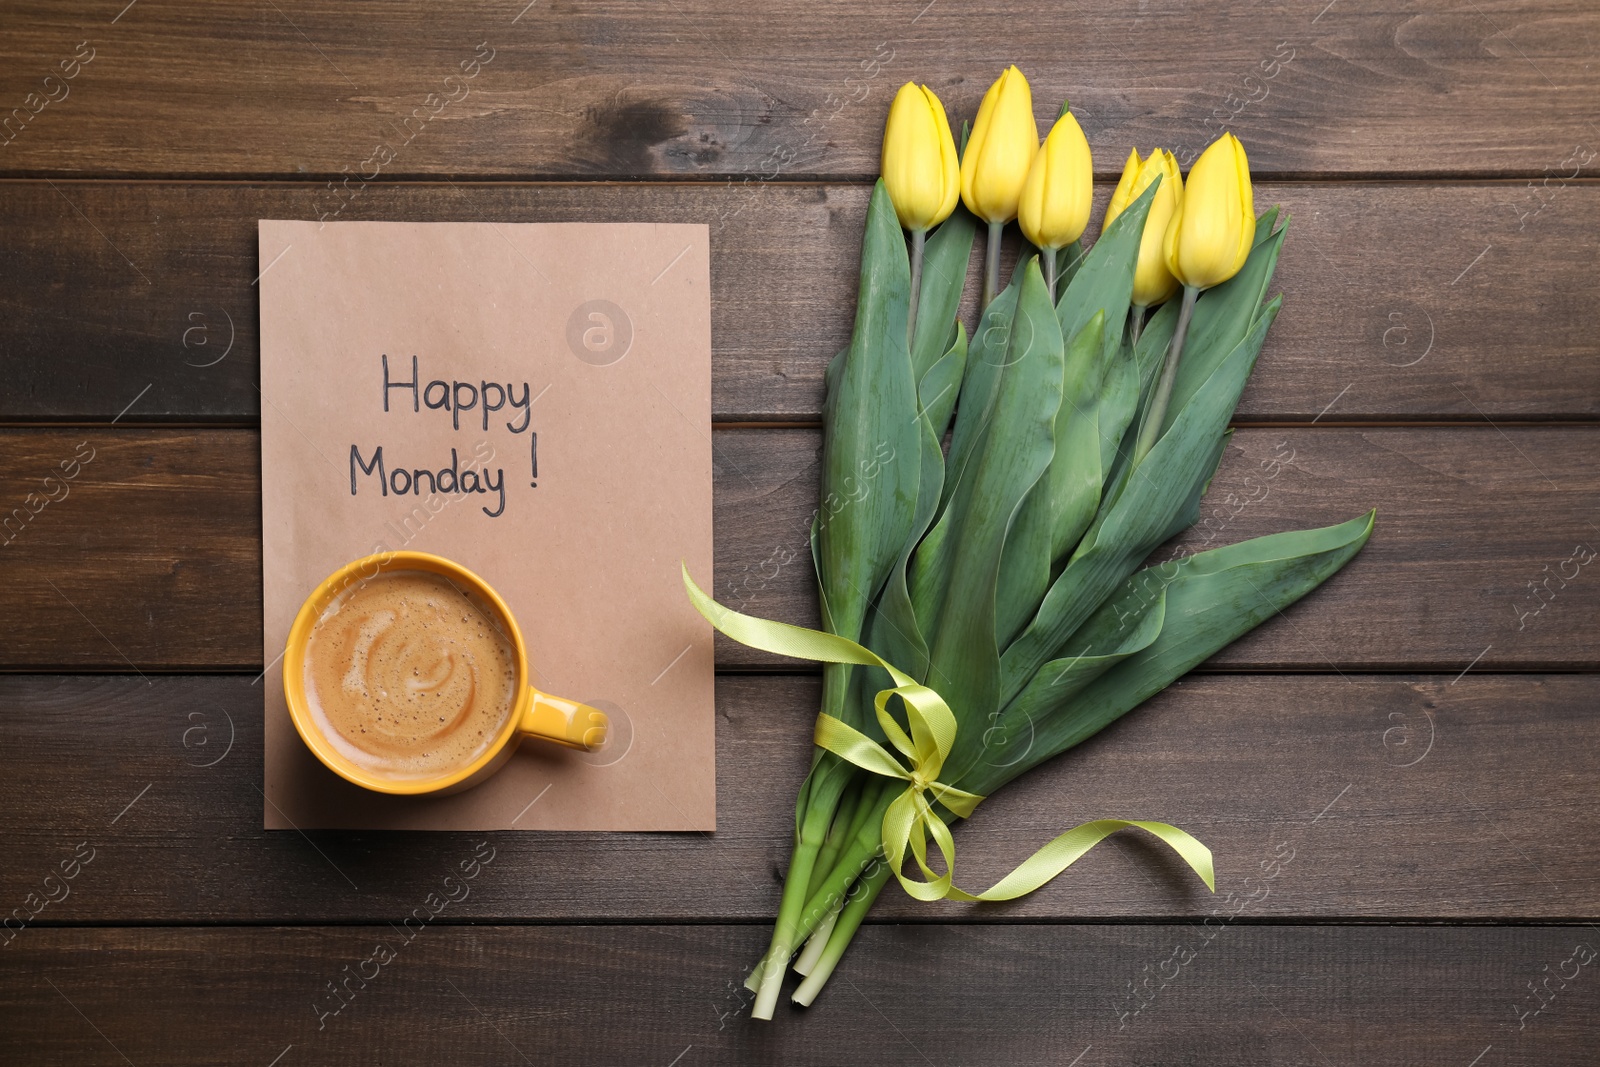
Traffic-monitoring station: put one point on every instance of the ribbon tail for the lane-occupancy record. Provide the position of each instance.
(1067, 849)
(933, 724)
(783, 639)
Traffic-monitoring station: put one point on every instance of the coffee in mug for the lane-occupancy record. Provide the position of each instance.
(409, 675)
(406, 673)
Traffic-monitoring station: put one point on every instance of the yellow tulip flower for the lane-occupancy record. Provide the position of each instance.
(1153, 282)
(995, 165)
(1214, 226)
(1054, 209)
(1004, 140)
(919, 164)
(1207, 242)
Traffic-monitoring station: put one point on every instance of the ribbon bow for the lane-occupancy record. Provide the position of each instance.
(911, 818)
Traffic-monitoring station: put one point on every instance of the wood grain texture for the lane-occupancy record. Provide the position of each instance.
(715, 88)
(151, 560)
(1402, 797)
(1408, 301)
(905, 995)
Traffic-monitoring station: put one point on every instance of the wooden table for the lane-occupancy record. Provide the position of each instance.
(1398, 776)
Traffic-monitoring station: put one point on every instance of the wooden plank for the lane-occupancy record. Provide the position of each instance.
(151, 560)
(910, 995)
(1405, 302)
(712, 88)
(143, 547)
(1387, 797)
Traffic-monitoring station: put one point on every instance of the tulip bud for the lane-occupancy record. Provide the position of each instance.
(1153, 282)
(1214, 226)
(919, 164)
(1054, 209)
(1005, 139)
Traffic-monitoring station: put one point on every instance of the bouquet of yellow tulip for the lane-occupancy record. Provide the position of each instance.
(983, 603)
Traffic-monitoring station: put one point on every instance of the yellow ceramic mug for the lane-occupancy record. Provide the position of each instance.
(534, 713)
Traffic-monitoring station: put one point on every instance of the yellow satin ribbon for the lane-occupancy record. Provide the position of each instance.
(911, 819)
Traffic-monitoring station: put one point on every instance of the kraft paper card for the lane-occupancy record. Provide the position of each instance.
(534, 402)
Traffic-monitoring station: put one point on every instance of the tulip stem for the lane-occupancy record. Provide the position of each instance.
(1135, 323)
(919, 240)
(844, 929)
(1050, 272)
(991, 263)
(1169, 373)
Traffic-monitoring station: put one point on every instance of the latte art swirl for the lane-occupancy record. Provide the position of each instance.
(409, 675)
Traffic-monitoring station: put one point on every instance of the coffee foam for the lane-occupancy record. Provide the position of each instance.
(409, 675)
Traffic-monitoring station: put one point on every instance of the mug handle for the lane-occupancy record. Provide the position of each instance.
(566, 722)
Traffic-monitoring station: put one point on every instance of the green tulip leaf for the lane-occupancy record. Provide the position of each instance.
(1068, 260)
(985, 356)
(1266, 221)
(941, 385)
(1128, 623)
(1208, 601)
(1062, 503)
(1010, 453)
(894, 631)
(1118, 403)
(1147, 355)
(872, 458)
(944, 275)
(1103, 281)
(1222, 316)
(1028, 552)
(1189, 512)
(1138, 515)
